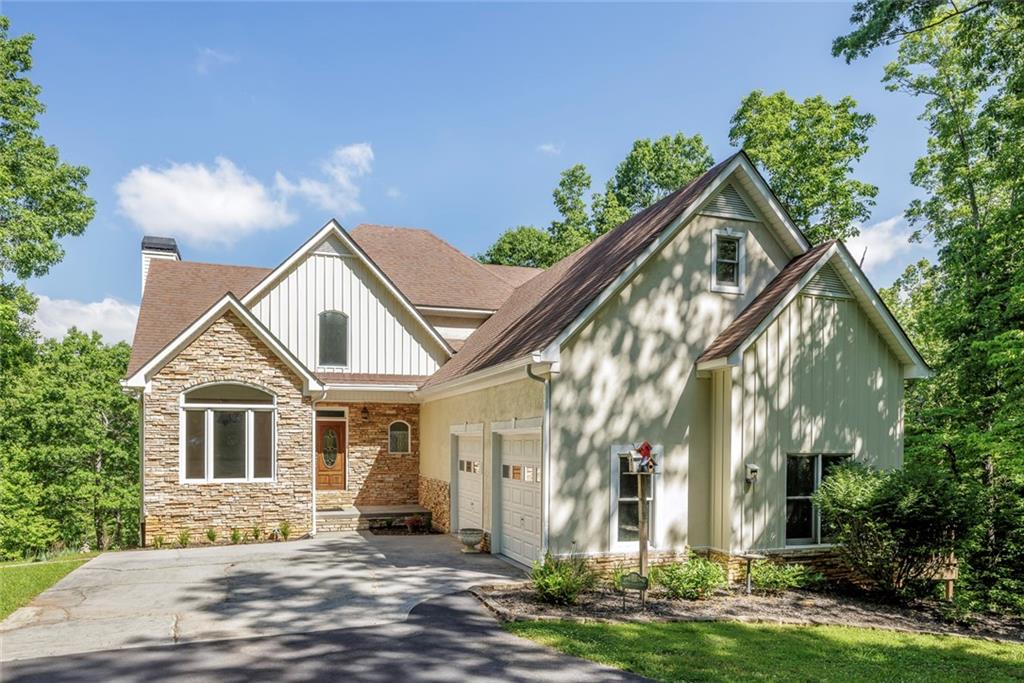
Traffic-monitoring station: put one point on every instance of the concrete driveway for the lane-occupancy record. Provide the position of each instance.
(160, 597)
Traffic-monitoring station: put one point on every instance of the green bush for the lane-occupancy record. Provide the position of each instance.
(158, 541)
(616, 578)
(183, 538)
(560, 581)
(695, 579)
(893, 528)
(256, 532)
(773, 577)
(211, 535)
(286, 529)
(236, 536)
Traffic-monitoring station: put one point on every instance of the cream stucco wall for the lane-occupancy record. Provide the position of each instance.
(519, 399)
(629, 375)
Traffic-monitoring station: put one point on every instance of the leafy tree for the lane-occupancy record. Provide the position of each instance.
(808, 150)
(651, 170)
(70, 440)
(966, 61)
(25, 530)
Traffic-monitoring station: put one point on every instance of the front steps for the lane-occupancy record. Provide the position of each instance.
(353, 518)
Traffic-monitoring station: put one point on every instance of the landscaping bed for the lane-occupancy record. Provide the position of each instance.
(800, 607)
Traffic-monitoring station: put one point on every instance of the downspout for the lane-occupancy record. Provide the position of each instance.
(545, 458)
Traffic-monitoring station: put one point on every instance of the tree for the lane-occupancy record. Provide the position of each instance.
(72, 431)
(966, 61)
(651, 170)
(808, 149)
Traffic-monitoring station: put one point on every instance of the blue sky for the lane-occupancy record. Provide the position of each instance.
(241, 128)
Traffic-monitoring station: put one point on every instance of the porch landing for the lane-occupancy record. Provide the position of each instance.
(355, 517)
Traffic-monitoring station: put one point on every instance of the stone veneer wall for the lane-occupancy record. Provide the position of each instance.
(606, 564)
(435, 495)
(824, 560)
(376, 477)
(227, 351)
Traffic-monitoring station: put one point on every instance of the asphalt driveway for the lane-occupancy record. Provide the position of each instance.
(161, 597)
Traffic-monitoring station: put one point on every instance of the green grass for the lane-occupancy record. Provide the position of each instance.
(727, 651)
(22, 581)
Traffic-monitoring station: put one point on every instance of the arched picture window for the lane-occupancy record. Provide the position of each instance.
(227, 433)
(333, 339)
(398, 437)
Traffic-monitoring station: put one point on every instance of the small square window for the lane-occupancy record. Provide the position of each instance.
(506, 472)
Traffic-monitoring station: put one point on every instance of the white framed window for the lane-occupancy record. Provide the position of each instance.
(332, 339)
(227, 433)
(625, 499)
(399, 437)
(728, 260)
(804, 474)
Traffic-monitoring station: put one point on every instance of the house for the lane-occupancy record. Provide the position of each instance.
(384, 371)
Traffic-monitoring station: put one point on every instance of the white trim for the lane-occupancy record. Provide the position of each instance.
(457, 312)
(332, 227)
(519, 425)
(408, 434)
(467, 428)
(140, 380)
(616, 546)
(409, 388)
(493, 375)
(784, 226)
(208, 409)
(740, 235)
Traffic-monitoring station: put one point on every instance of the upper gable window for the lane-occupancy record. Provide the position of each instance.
(728, 260)
(333, 338)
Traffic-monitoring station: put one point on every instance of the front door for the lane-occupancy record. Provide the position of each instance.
(330, 456)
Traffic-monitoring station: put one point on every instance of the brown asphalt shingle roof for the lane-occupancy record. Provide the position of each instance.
(746, 322)
(547, 303)
(431, 272)
(178, 292)
(514, 275)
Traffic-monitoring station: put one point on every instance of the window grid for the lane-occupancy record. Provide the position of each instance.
(805, 500)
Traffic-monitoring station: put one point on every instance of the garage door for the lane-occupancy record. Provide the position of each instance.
(471, 486)
(520, 498)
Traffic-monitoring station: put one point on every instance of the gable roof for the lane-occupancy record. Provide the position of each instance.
(178, 292)
(333, 228)
(729, 346)
(544, 306)
(514, 275)
(430, 271)
(227, 303)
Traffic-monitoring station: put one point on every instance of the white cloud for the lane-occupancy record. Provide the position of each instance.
(111, 318)
(207, 58)
(880, 243)
(550, 148)
(338, 193)
(199, 204)
(393, 193)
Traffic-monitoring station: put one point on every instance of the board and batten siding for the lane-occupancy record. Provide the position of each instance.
(819, 379)
(383, 338)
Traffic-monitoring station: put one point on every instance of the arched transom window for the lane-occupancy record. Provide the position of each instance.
(398, 437)
(227, 433)
(333, 339)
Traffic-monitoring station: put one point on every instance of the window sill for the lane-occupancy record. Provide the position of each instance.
(810, 546)
(727, 289)
(226, 481)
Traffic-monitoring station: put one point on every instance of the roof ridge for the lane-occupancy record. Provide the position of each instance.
(162, 262)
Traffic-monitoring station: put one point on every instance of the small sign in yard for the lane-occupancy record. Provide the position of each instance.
(634, 581)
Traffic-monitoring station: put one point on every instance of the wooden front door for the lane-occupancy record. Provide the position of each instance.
(330, 455)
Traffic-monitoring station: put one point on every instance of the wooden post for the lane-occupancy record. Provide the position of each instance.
(641, 489)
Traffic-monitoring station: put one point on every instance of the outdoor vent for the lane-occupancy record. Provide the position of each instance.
(827, 282)
(728, 202)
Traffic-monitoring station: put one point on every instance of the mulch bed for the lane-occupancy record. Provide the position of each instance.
(515, 603)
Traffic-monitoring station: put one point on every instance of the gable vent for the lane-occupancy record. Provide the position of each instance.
(728, 202)
(827, 282)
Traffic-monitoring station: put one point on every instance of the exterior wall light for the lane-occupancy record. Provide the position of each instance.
(752, 471)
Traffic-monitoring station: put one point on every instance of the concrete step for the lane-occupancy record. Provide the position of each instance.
(369, 517)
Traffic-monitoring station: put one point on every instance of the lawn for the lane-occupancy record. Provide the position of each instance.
(22, 581)
(729, 651)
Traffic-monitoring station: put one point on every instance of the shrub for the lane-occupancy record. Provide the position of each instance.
(286, 529)
(236, 536)
(183, 538)
(773, 577)
(618, 573)
(560, 580)
(158, 541)
(894, 528)
(696, 579)
(211, 535)
(256, 532)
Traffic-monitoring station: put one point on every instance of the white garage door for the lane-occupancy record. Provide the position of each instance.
(520, 498)
(471, 484)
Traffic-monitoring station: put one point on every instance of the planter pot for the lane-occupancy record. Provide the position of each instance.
(470, 538)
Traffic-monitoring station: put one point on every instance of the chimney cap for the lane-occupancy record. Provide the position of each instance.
(150, 243)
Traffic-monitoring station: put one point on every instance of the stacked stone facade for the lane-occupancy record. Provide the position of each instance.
(824, 560)
(375, 476)
(227, 351)
(435, 496)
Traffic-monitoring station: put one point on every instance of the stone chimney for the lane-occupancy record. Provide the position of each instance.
(154, 248)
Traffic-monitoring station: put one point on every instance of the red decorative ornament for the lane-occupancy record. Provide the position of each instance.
(647, 463)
